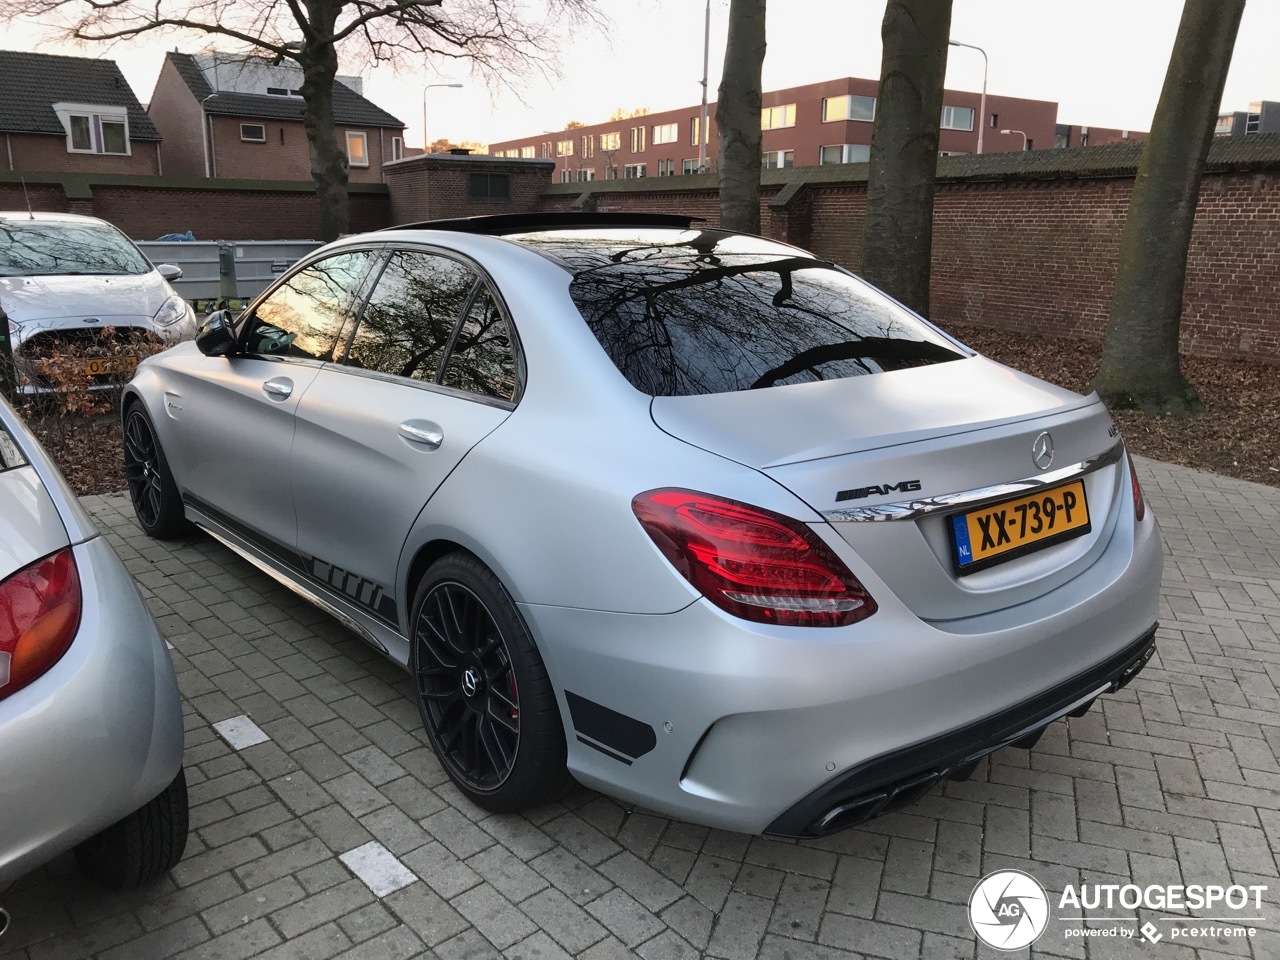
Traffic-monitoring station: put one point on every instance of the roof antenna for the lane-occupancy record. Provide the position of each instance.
(30, 214)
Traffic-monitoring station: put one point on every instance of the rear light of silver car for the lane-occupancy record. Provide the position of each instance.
(751, 562)
(1139, 505)
(40, 608)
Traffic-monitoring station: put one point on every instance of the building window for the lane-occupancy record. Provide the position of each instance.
(253, 132)
(564, 148)
(91, 129)
(953, 153)
(666, 132)
(845, 153)
(666, 168)
(489, 186)
(586, 174)
(611, 173)
(283, 92)
(957, 118)
(995, 120)
(528, 153)
(695, 125)
(546, 150)
(637, 139)
(633, 171)
(778, 159)
(397, 148)
(566, 176)
(611, 141)
(588, 146)
(1031, 144)
(689, 166)
(848, 108)
(773, 118)
(357, 149)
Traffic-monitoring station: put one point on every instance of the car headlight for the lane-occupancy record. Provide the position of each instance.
(171, 311)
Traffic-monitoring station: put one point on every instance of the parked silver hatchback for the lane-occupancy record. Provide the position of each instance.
(697, 517)
(90, 718)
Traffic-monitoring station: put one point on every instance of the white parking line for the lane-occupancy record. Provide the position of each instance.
(240, 732)
(378, 868)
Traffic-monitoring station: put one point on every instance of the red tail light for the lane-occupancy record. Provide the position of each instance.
(39, 616)
(1139, 505)
(751, 562)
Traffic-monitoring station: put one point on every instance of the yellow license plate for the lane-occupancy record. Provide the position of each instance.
(104, 365)
(1002, 531)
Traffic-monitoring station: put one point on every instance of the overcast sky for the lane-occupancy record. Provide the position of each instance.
(1103, 61)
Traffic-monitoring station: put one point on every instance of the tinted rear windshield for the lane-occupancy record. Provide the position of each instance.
(711, 312)
(37, 248)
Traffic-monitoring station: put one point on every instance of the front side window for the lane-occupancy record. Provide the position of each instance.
(714, 312)
(304, 316)
(41, 248)
(357, 149)
(411, 314)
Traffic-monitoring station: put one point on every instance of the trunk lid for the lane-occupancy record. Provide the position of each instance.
(951, 430)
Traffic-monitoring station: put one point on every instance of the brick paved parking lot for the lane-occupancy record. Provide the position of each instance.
(1174, 780)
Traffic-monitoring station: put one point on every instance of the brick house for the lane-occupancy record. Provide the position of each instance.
(237, 117)
(74, 115)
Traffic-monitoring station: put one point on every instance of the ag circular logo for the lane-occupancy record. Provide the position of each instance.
(1008, 910)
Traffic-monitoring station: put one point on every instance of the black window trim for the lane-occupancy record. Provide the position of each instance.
(484, 280)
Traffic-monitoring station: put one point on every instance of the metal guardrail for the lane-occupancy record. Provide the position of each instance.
(226, 270)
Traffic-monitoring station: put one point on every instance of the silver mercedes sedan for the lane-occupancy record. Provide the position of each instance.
(696, 517)
(90, 718)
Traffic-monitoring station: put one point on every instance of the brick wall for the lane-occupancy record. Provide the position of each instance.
(176, 113)
(1028, 242)
(45, 153)
(147, 208)
(436, 186)
(286, 155)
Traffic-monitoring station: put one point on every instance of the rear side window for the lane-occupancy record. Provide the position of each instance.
(10, 455)
(483, 359)
(678, 324)
(411, 314)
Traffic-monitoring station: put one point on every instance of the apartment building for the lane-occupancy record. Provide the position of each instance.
(817, 123)
(1263, 116)
(1071, 135)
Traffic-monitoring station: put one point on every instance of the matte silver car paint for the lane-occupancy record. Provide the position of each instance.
(542, 496)
(100, 734)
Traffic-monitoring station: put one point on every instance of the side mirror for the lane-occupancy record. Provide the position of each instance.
(215, 336)
(169, 271)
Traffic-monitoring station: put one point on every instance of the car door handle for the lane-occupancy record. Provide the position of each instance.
(422, 431)
(279, 388)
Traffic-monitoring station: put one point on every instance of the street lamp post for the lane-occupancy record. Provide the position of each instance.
(1021, 134)
(425, 146)
(982, 104)
(204, 136)
(702, 129)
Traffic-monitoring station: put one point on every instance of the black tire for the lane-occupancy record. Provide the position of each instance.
(156, 501)
(147, 843)
(497, 732)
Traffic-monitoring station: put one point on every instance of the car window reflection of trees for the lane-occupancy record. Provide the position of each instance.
(304, 316)
(41, 248)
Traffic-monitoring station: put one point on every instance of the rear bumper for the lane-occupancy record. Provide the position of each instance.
(97, 736)
(895, 779)
(705, 717)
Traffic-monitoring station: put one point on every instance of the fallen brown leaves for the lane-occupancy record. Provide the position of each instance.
(1238, 435)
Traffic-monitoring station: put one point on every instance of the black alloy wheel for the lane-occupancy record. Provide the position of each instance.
(483, 691)
(156, 500)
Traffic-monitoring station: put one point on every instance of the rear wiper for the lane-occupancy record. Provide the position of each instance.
(877, 348)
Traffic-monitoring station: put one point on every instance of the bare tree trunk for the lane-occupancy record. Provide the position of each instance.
(738, 117)
(328, 158)
(898, 240)
(1140, 365)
